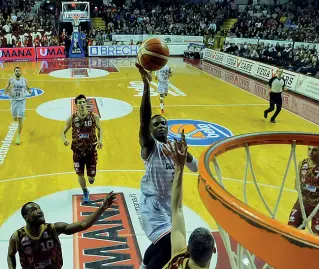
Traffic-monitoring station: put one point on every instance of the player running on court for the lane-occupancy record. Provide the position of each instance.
(84, 142)
(17, 90)
(309, 186)
(201, 244)
(38, 242)
(163, 76)
(156, 184)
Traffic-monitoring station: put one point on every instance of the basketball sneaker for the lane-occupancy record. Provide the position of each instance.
(86, 196)
(162, 111)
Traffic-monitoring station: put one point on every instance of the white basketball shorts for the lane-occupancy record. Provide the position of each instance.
(162, 88)
(18, 108)
(156, 215)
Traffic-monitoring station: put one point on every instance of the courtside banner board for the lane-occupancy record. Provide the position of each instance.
(299, 83)
(170, 39)
(10, 54)
(113, 50)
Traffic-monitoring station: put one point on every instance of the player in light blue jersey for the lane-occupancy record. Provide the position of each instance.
(17, 90)
(156, 184)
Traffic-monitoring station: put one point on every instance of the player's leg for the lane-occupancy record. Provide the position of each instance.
(163, 253)
(314, 221)
(79, 169)
(295, 217)
(271, 105)
(162, 102)
(278, 102)
(91, 166)
(156, 225)
(21, 107)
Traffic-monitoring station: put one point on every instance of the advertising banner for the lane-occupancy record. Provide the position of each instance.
(50, 52)
(10, 54)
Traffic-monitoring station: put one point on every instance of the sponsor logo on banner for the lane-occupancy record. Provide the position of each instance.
(208, 54)
(290, 79)
(111, 241)
(34, 93)
(231, 62)
(218, 57)
(6, 142)
(50, 52)
(113, 50)
(245, 66)
(242, 82)
(230, 77)
(308, 86)
(17, 53)
(138, 86)
(197, 132)
(264, 72)
(127, 38)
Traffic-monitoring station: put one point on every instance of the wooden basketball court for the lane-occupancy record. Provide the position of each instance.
(41, 168)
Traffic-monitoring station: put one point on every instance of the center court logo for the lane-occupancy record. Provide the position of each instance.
(197, 132)
(105, 108)
(34, 93)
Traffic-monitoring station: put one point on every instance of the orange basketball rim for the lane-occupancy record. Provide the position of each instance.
(280, 245)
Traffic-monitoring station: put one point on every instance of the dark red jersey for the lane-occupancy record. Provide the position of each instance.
(84, 138)
(39, 252)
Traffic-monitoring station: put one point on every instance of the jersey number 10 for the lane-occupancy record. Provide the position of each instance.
(47, 245)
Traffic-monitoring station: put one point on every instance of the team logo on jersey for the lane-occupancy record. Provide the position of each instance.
(197, 132)
(35, 92)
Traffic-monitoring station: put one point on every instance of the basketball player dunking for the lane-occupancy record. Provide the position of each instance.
(309, 185)
(38, 242)
(156, 184)
(84, 142)
(17, 90)
(201, 243)
(163, 76)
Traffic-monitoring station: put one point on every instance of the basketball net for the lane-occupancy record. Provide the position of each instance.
(242, 258)
(76, 22)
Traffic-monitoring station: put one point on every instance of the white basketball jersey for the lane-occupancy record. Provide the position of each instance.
(19, 89)
(163, 75)
(159, 174)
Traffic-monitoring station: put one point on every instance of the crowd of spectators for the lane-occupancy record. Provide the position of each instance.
(27, 24)
(164, 19)
(290, 23)
(294, 21)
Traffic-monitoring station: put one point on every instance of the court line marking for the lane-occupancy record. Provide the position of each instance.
(134, 171)
(58, 80)
(247, 91)
(213, 105)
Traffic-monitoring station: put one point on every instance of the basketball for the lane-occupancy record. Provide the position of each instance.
(153, 54)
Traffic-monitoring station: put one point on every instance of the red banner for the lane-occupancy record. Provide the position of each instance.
(17, 53)
(50, 52)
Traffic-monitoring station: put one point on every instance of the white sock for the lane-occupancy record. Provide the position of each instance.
(162, 105)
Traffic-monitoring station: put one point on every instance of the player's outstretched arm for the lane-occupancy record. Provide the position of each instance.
(67, 127)
(178, 234)
(65, 228)
(12, 250)
(146, 141)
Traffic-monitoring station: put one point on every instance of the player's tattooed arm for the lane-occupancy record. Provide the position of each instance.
(12, 250)
(68, 229)
(146, 140)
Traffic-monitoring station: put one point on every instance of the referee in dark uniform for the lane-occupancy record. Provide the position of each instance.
(276, 86)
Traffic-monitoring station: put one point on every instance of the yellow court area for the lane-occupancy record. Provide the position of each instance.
(41, 168)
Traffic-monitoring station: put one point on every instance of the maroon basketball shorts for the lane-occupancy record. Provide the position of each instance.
(88, 160)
